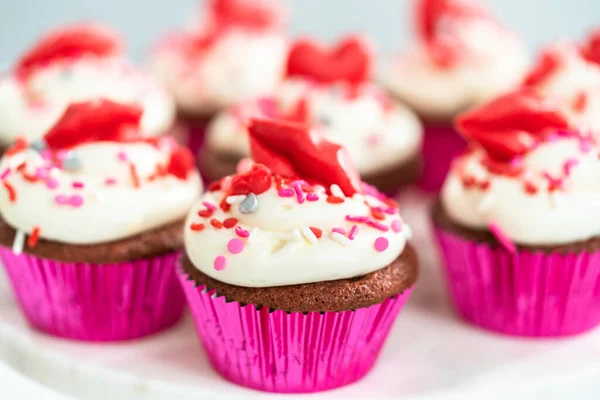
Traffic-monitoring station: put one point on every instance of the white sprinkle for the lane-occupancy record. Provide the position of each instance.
(309, 235)
(336, 191)
(237, 199)
(253, 234)
(296, 234)
(341, 239)
(19, 242)
(372, 202)
(408, 233)
(486, 203)
(358, 197)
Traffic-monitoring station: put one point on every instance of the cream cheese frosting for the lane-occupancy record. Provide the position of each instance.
(378, 133)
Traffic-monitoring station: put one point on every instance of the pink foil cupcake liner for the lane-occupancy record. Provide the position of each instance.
(283, 352)
(441, 143)
(96, 302)
(522, 293)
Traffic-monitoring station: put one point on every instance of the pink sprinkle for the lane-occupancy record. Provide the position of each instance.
(397, 226)
(502, 237)
(61, 199)
(46, 155)
(41, 173)
(241, 232)
(76, 200)
(381, 244)
(209, 206)
(352, 218)
(78, 185)
(341, 231)
(286, 192)
(219, 263)
(569, 164)
(122, 156)
(585, 145)
(377, 225)
(52, 183)
(235, 246)
(5, 173)
(110, 181)
(353, 232)
(391, 210)
(312, 197)
(298, 189)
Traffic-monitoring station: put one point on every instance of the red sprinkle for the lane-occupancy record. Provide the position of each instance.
(378, 215)
(484, 185)
(318, 233)
(334, 199)
(197, 227)
(205, 213)
(214, 186)
(530, 188)
(12, 194)
(230, 223)
(216, 223)
(135, 179)
(391, 203)
(19, 145)
(34, 237)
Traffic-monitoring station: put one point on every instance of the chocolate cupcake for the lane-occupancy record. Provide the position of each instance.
(329, 88)
(74, 63)
(463, 56)
(517, 219)
(295, 251)
(91, 226)
(233, 52)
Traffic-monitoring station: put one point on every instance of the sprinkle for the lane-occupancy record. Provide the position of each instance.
(298, 189)
(122, 156)
(336, 191)
(72, 163)
(197, 227)
(38, 145)
(52, 183)
(34, 237)
(235, 246)
(377, 225)
(352, 218)
(241, 232)
(335, 199)
(219, 263)
(286, 192)
(78, 185)
(309, 235)
(214, 186)
(397, 226)
(296, 234)
(381, 244)
(391, 203)
(585, 145)
(377, 214)
(341, 239)
(19, 242)
(110, 181)
(249, 205)
(61, 199)
(317, 232)
(216, 223)
(530, 188)
(237, 199)
(46, 155)
(230, 223)
(135, 179)
(253, 234)
(12, 194)
(41, 173)
(209, 206)
(353, 232)
(5, 173)
(390, 210)
(205, 213)
(76, 201)
(341, 231)
(569, 164)
(502, 238)
(312, 197)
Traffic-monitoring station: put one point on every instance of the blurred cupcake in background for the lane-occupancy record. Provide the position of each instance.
(74, 63)
(234, 52)
(295, 270)
(518, 220)
(92, 224)
(463, 56)
(329, 88)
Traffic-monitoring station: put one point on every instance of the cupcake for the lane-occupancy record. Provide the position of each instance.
(463, 56)
(295, 270)
(329, 88)
(76, 63)
(92, 224)
(517, 220)
(570, 73)
(234, 52)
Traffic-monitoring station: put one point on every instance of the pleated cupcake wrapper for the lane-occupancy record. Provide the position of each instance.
(440, 145)
(522, 293)
(283, 352)
(96, 302)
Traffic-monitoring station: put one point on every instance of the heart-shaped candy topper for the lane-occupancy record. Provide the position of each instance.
(95, 121)
(70, 42)
(296, 151)
(251, 14)
(349, 61)
(591, 49)
(512, 124)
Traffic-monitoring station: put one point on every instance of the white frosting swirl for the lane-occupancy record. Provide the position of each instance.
(108, 210)
(241, 65)
(376, 139)
(279, 253)
(496, 61)
(547, 217)
(30, 107)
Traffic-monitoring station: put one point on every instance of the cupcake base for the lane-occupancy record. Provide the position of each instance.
(535, 291)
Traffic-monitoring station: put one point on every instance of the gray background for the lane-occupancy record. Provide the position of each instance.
(385, 21)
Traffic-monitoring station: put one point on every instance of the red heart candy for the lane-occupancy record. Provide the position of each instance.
(295, 151)
(253, 14)
(512, 124)
(94, 121)
(257, 180)
(72, 41)
(349, 61)
(181, 162)
(591, 49)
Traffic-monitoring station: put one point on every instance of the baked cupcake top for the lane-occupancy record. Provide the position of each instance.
(329, 88)
(93, 178)
(76, 63)
(530, 177)
(463, 56)
(236, 51)
(570, 73)
(299, 215)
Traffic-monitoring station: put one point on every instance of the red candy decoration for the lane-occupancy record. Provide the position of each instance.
(257, 180)
(181, 163)
(253, 14)
(349, 61)
(95, 121)
(512, 124)
(296, 151)
(548, 63)
(69, 42)
(591, 49)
